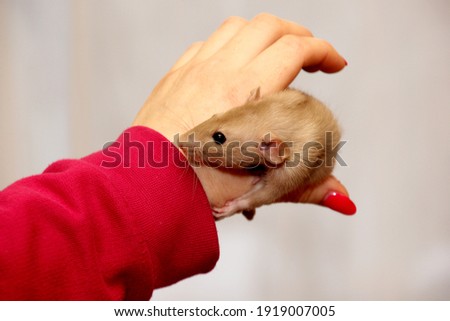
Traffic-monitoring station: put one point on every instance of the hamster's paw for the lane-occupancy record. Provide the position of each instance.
(225, 211)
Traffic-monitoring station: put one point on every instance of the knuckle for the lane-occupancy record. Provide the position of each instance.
(264, 16)
(233, 20)
(294, 42)
(267, 19)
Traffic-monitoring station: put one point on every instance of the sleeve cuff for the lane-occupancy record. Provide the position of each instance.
(161, 193)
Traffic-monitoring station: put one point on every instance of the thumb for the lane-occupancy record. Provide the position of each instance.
(329, 193)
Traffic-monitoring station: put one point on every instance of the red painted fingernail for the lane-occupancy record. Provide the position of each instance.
(346, 63)
(340, 203)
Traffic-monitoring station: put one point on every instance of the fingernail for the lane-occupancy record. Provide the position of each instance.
(340, 203)
(346, 63)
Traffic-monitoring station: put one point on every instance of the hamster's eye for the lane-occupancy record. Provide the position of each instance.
(219, 138)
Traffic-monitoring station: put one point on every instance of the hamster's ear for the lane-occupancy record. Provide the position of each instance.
(255, 94)
(274, 150)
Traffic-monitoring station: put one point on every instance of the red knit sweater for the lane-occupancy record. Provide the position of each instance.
(111, 226)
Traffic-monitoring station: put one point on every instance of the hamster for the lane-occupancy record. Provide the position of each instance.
(285, 140)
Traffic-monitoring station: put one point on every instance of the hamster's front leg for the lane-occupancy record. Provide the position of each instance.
(264, 192)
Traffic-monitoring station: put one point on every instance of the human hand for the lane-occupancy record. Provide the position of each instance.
(218, 74)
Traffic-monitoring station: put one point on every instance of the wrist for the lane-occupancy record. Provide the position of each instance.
(160, 194)
(221, 185)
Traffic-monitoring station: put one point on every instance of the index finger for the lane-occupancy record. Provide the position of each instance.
(278, 65)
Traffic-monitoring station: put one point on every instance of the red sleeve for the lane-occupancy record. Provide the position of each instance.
(111, 226)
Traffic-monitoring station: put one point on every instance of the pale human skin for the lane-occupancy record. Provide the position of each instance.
(219, 73)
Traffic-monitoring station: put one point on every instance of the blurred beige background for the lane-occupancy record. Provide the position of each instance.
(74, 73)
